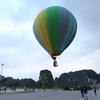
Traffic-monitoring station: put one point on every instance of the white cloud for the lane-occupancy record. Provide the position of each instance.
(6, 24)
(12, 6)
(22, 54)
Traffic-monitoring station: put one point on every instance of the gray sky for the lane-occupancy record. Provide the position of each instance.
(22, 55)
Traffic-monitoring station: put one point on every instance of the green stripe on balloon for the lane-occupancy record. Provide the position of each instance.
(52, 21)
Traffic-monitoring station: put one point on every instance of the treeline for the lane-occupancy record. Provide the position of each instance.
(66, 81)
(10, 82)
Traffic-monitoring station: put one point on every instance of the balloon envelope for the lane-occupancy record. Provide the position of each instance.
(55, 28)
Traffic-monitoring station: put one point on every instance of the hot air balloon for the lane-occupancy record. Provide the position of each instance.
(55, 28)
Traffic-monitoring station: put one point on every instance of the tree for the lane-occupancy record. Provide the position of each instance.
(3, 82)
(15, 84)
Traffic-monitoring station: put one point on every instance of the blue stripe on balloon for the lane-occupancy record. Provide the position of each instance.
(63, 26)
(69, 33)
(72, 38)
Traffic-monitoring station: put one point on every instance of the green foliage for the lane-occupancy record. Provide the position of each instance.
(77, 78)
(66, 80)
(3, 81)
(46, 79)
(66, 88)
(16, 83)
(76, 88)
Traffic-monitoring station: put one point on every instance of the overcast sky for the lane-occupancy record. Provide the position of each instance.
(22, 55)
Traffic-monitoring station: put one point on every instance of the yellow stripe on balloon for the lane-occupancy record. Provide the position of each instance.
(42, 31)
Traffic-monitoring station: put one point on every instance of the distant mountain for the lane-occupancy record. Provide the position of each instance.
(78, 78)
(71, 79)
(46, 79)
(23, 82)
(28, 82)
